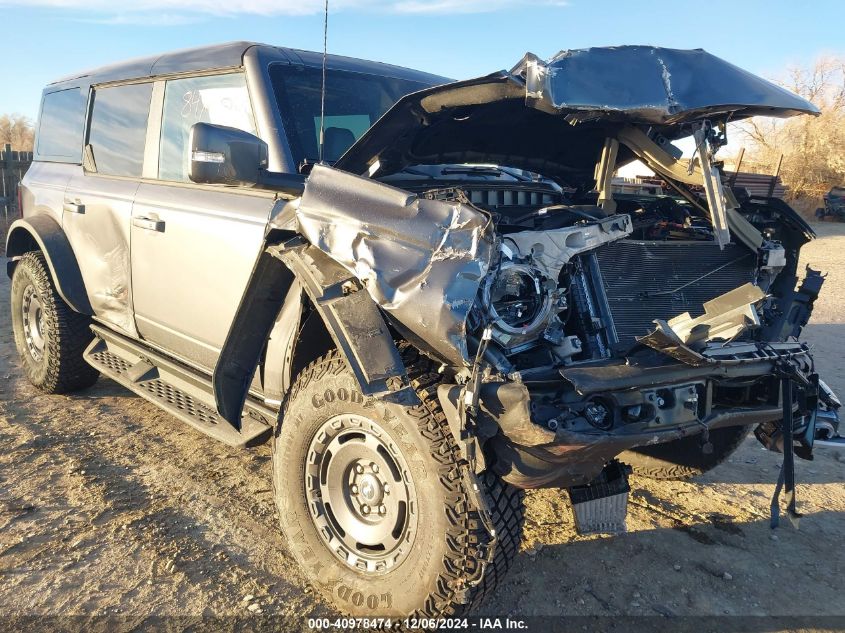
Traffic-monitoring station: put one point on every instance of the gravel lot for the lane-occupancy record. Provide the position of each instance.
(110, 507)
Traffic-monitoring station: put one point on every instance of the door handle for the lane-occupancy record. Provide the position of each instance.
(149, 224)
(73, 207)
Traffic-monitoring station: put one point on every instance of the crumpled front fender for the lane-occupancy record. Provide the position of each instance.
(350, 315)
(361, 249)
(422, 261)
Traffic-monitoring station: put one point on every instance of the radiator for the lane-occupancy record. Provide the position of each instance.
(659, 280)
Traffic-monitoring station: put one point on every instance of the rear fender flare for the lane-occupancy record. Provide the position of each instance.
(41, 232)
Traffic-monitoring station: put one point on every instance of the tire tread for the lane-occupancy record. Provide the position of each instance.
(465, 533)
(69, 333)
(652, 466)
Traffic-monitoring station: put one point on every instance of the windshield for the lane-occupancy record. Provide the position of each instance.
(354, 101)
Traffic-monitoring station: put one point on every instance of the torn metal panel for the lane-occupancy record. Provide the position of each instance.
(351, 316)
(420, 260)
(665, 341)
(551, 250)
(724, 317)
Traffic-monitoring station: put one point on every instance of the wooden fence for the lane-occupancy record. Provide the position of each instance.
(13, 166)
(758, 184)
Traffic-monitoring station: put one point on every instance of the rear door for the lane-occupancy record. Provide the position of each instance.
(193, 246)
(98, 199)
(58, 151)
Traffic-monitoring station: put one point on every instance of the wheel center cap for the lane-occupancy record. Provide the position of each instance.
(370, 488)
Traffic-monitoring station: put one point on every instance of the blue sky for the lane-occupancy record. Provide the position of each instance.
(46, 39)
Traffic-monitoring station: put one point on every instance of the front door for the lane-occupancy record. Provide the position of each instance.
(193, 246)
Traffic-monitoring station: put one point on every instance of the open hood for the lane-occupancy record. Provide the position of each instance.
(553, 117)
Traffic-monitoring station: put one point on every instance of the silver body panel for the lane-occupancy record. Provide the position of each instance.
(190, 269)
(99, 236)
(167, 262)
(43, 188)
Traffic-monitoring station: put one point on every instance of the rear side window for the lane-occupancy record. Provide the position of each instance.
(218, 99)
(60, 126)
(119, 128)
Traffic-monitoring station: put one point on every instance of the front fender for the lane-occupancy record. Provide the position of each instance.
(350, 315)
(43, 233)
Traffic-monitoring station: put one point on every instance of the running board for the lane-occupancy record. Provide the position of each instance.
(181, 391)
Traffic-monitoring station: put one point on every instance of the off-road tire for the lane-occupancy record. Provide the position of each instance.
(66, 333)
(682, 459)
(430, 581)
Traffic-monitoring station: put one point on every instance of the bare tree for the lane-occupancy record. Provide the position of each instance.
(813, 148)
(16, 130)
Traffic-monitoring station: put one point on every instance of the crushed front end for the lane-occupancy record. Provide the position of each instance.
(573, 325)
(568, 335)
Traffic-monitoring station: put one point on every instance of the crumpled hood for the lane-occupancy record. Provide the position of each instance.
(552, 117)
(651, 85)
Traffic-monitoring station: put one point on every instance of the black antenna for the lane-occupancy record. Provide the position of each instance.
(323, 87)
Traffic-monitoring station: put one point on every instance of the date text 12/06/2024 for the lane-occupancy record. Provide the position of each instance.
(419, 624)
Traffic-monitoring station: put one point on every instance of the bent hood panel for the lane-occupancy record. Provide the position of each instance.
(652, 85)
(552, 117)
(421, 260)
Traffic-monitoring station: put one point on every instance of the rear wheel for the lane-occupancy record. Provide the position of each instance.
(49, 335)
(683, 458)
(372, 502)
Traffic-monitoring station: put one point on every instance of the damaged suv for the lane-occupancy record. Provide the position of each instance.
(427, 294)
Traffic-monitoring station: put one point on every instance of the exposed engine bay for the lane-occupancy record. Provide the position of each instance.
(570, 284)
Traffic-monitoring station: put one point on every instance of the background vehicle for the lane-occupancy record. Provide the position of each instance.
(447, 309)
(834, 205)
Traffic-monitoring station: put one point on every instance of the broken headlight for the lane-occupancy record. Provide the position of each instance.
(520, 303)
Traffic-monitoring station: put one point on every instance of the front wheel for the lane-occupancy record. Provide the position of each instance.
(372, 503)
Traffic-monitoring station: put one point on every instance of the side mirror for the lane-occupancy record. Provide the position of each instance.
(226, 155)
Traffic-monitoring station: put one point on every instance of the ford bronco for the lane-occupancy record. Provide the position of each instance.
(425, 293)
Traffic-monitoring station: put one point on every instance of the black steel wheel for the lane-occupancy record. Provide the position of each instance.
(32, 322)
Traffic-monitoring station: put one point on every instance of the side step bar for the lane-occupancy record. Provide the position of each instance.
(179, 390)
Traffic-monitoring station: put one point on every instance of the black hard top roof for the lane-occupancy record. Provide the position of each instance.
(230, 55)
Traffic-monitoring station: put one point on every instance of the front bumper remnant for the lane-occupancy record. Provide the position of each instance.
(552, 437)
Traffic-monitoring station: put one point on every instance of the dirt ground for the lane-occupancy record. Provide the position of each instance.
(110, 507)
